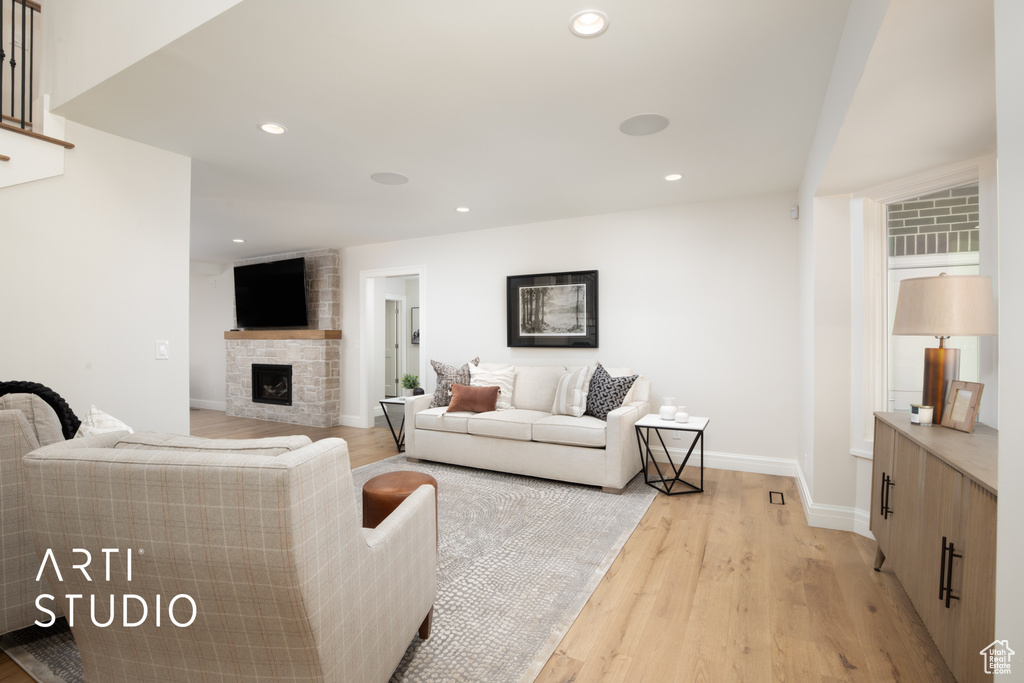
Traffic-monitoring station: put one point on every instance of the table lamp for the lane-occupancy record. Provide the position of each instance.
(944, 306)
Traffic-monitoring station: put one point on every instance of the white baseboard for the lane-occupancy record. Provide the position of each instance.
(351, 421)
(837, 517)
(717, 460)
(200, 404)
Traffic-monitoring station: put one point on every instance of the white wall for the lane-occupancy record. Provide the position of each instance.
(1010, 115)
(94, 270)
(700, 298)
(827, 469)
(211, 313)
(92, 41)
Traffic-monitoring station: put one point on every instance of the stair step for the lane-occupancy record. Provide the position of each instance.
(37, 136)
(16, 121)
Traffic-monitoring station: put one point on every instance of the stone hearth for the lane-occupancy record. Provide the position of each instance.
(316, 377)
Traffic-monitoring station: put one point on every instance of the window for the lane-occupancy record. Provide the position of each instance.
(934, 233)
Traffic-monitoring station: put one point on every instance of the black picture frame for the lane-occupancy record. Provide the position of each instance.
(552, 310)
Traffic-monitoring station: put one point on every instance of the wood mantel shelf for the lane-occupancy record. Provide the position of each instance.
(282, 334)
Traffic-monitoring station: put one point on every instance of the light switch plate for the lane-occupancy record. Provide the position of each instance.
(163, 350)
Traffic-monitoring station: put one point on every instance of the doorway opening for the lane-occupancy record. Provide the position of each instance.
(389, 336)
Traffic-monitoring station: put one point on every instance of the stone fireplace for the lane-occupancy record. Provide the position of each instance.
(262, 365)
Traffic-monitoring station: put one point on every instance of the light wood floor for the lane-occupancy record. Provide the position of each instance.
(719, 586)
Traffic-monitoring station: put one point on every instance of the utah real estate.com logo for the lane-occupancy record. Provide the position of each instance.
(997, 657)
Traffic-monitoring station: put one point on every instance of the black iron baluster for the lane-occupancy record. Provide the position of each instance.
(13, 62)
(23, 25)
(31, 61)
(3, 56)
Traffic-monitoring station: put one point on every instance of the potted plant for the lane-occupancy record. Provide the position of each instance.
(411, 382)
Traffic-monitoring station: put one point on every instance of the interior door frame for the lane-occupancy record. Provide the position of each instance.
(369, 280)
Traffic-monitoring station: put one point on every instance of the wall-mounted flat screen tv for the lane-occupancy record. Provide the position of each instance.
(271, 294)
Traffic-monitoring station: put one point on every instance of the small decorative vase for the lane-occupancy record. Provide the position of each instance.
(668, 410)
(682, 415)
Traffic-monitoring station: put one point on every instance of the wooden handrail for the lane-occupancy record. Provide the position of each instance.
(15, 120)
(37, 136)
(4, 157)
(35, 6)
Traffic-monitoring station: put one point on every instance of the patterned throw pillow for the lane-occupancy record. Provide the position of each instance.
(491, 376)
(447, 375)
(606, 392)
(571, 395)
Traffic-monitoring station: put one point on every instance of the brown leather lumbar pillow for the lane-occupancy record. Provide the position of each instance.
(473, 399)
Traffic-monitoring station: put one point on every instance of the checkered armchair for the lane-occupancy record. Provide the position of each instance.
(263, 535)
(26, 423)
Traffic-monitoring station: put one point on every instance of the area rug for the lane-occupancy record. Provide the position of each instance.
(518, 559)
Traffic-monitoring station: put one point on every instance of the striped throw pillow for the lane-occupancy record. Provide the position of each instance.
(571, 395)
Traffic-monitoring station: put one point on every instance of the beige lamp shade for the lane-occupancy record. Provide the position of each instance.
(946, 306)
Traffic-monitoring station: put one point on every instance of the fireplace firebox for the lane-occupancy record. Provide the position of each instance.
(272, 384)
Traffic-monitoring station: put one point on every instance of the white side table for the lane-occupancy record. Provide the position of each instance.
(398, 436)
(666, 481)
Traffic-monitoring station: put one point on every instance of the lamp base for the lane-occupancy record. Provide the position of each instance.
(941, 366)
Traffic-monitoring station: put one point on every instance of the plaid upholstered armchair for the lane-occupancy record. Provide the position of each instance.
(26, 423)
(248, 555)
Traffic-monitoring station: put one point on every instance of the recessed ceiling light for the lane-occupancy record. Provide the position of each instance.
(674, 176)
(463, 209)
(589, 23)
(387, 178)
(644, 124)
(272, 128)
(239, 241)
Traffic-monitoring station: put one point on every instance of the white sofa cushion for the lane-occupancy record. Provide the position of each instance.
(571, 431)
(535, 386)
(439, 420)
(507, 424)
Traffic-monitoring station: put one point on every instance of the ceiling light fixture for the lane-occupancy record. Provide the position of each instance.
(644, 124)
(273, 128)
(463, 209)
(589, 23)
(238, 241)
(674, 176)
(388, 178)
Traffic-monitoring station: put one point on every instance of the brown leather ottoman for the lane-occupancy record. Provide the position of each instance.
(385, 492)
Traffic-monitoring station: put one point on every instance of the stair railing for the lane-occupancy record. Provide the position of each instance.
(17, 34)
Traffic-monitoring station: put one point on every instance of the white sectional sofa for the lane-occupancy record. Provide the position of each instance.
(528, 439)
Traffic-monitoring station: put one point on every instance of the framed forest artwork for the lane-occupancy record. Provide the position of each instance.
(552, 309)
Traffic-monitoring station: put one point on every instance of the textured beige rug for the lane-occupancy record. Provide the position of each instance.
(518, 559)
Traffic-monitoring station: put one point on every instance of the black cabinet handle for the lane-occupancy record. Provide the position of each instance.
(886, 485)
(946, 571)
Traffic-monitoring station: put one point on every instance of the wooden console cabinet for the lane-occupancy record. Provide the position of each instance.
(933, 513)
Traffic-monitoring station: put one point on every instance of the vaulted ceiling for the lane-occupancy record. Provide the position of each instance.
(496, 107)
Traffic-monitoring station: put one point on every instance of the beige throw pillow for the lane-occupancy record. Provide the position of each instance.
(98, 422)
(571, 395)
